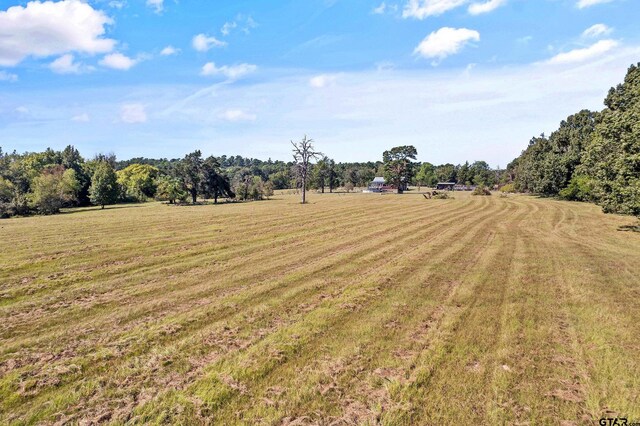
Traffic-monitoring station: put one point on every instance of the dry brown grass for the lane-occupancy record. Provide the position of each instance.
(354, 309)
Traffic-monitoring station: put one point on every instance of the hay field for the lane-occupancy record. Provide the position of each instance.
(353, 309)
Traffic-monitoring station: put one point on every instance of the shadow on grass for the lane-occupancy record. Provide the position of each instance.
(221, 203)
(96, 208)
(630, 228)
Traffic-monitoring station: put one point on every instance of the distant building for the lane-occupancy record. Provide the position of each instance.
(446, 186)
(378, 185)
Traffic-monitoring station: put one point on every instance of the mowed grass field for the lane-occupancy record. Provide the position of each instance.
(353, 309)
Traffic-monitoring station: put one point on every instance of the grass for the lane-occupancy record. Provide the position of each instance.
(353, 309)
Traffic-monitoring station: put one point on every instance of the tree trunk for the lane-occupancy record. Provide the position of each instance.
(323, 189)
(194, 196)
(215, 198)
(102, 206)
(304, 193)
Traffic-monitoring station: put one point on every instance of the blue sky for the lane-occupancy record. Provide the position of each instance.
(459, 79)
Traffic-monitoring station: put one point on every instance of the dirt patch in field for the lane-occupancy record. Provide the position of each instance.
(569, 391)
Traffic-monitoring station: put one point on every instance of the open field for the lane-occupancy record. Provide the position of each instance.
(354, 309)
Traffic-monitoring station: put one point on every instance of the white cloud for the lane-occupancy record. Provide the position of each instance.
(243, 22)
(81, 118)
(116, 4)
(501, 106)
(421, 9)
(169, 50)
(380, 9)
(588, 3)
(227, 27)
(5, 76)
(158, 5)
(445, 42)
(237, 115)
(596, 30)
(322, 80)
(232, 72)
(22, 110)
(65, 65)
(487, 6)
(46, 29)
(202, 42)
(249, 24)
(584, 54)
(118, 61)
(133, 113)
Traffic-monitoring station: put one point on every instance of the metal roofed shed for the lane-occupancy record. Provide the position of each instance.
(446, 186)
(378, 184)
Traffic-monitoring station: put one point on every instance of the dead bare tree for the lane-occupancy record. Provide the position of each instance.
(303, 153)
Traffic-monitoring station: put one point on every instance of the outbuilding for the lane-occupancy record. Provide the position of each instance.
(446, 186)
(377, 185)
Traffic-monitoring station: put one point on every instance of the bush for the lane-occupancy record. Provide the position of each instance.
(54, 188)
(481, 190)
(442, 196)
(580, 188)
(170, 189)
(508, 188)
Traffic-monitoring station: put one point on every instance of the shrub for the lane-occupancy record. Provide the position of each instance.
(442, 196)
(508, 188)
(54, 188)
(170, 189)
(580, 188)
(481, 190)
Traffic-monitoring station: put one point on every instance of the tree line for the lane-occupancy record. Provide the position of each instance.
(45, 182)
(592, 156)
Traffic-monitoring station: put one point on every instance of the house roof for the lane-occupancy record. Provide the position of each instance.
(447, 183)
(378, 179)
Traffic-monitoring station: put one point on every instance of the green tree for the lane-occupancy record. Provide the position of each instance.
(332, 174)
(214, 183)
(548, 164)
(169, 188)
(464, 175)
(350, 177)
(190, 171)
(138, 181)
(398, 167)
(446, 173)
(481, 174)
(242, 181)
(321, 174)
(612, 159)
(281, 179)
(427, 175)
(580, 188)
(256, 188)
(268, 189)
(365, 175)
(53, 189)
(7, 196)
(104, 188)
(71, 159)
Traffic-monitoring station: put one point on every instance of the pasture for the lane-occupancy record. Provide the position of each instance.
(353, 309)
